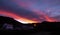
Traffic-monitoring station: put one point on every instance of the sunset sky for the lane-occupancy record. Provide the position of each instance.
(31, 11)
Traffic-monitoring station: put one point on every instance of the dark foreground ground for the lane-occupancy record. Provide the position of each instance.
(9, 25)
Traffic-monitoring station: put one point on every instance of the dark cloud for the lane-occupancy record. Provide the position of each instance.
(9, 5)
(21, 11)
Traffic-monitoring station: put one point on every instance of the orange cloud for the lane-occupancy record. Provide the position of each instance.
(16, 17)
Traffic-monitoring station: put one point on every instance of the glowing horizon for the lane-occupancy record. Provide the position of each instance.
(31, 11)
(16, 17)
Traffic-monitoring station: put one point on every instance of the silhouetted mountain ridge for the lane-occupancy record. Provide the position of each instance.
(44, 26)
(8, 20)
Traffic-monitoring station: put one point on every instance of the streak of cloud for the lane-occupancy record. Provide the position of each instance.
(36, 10)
